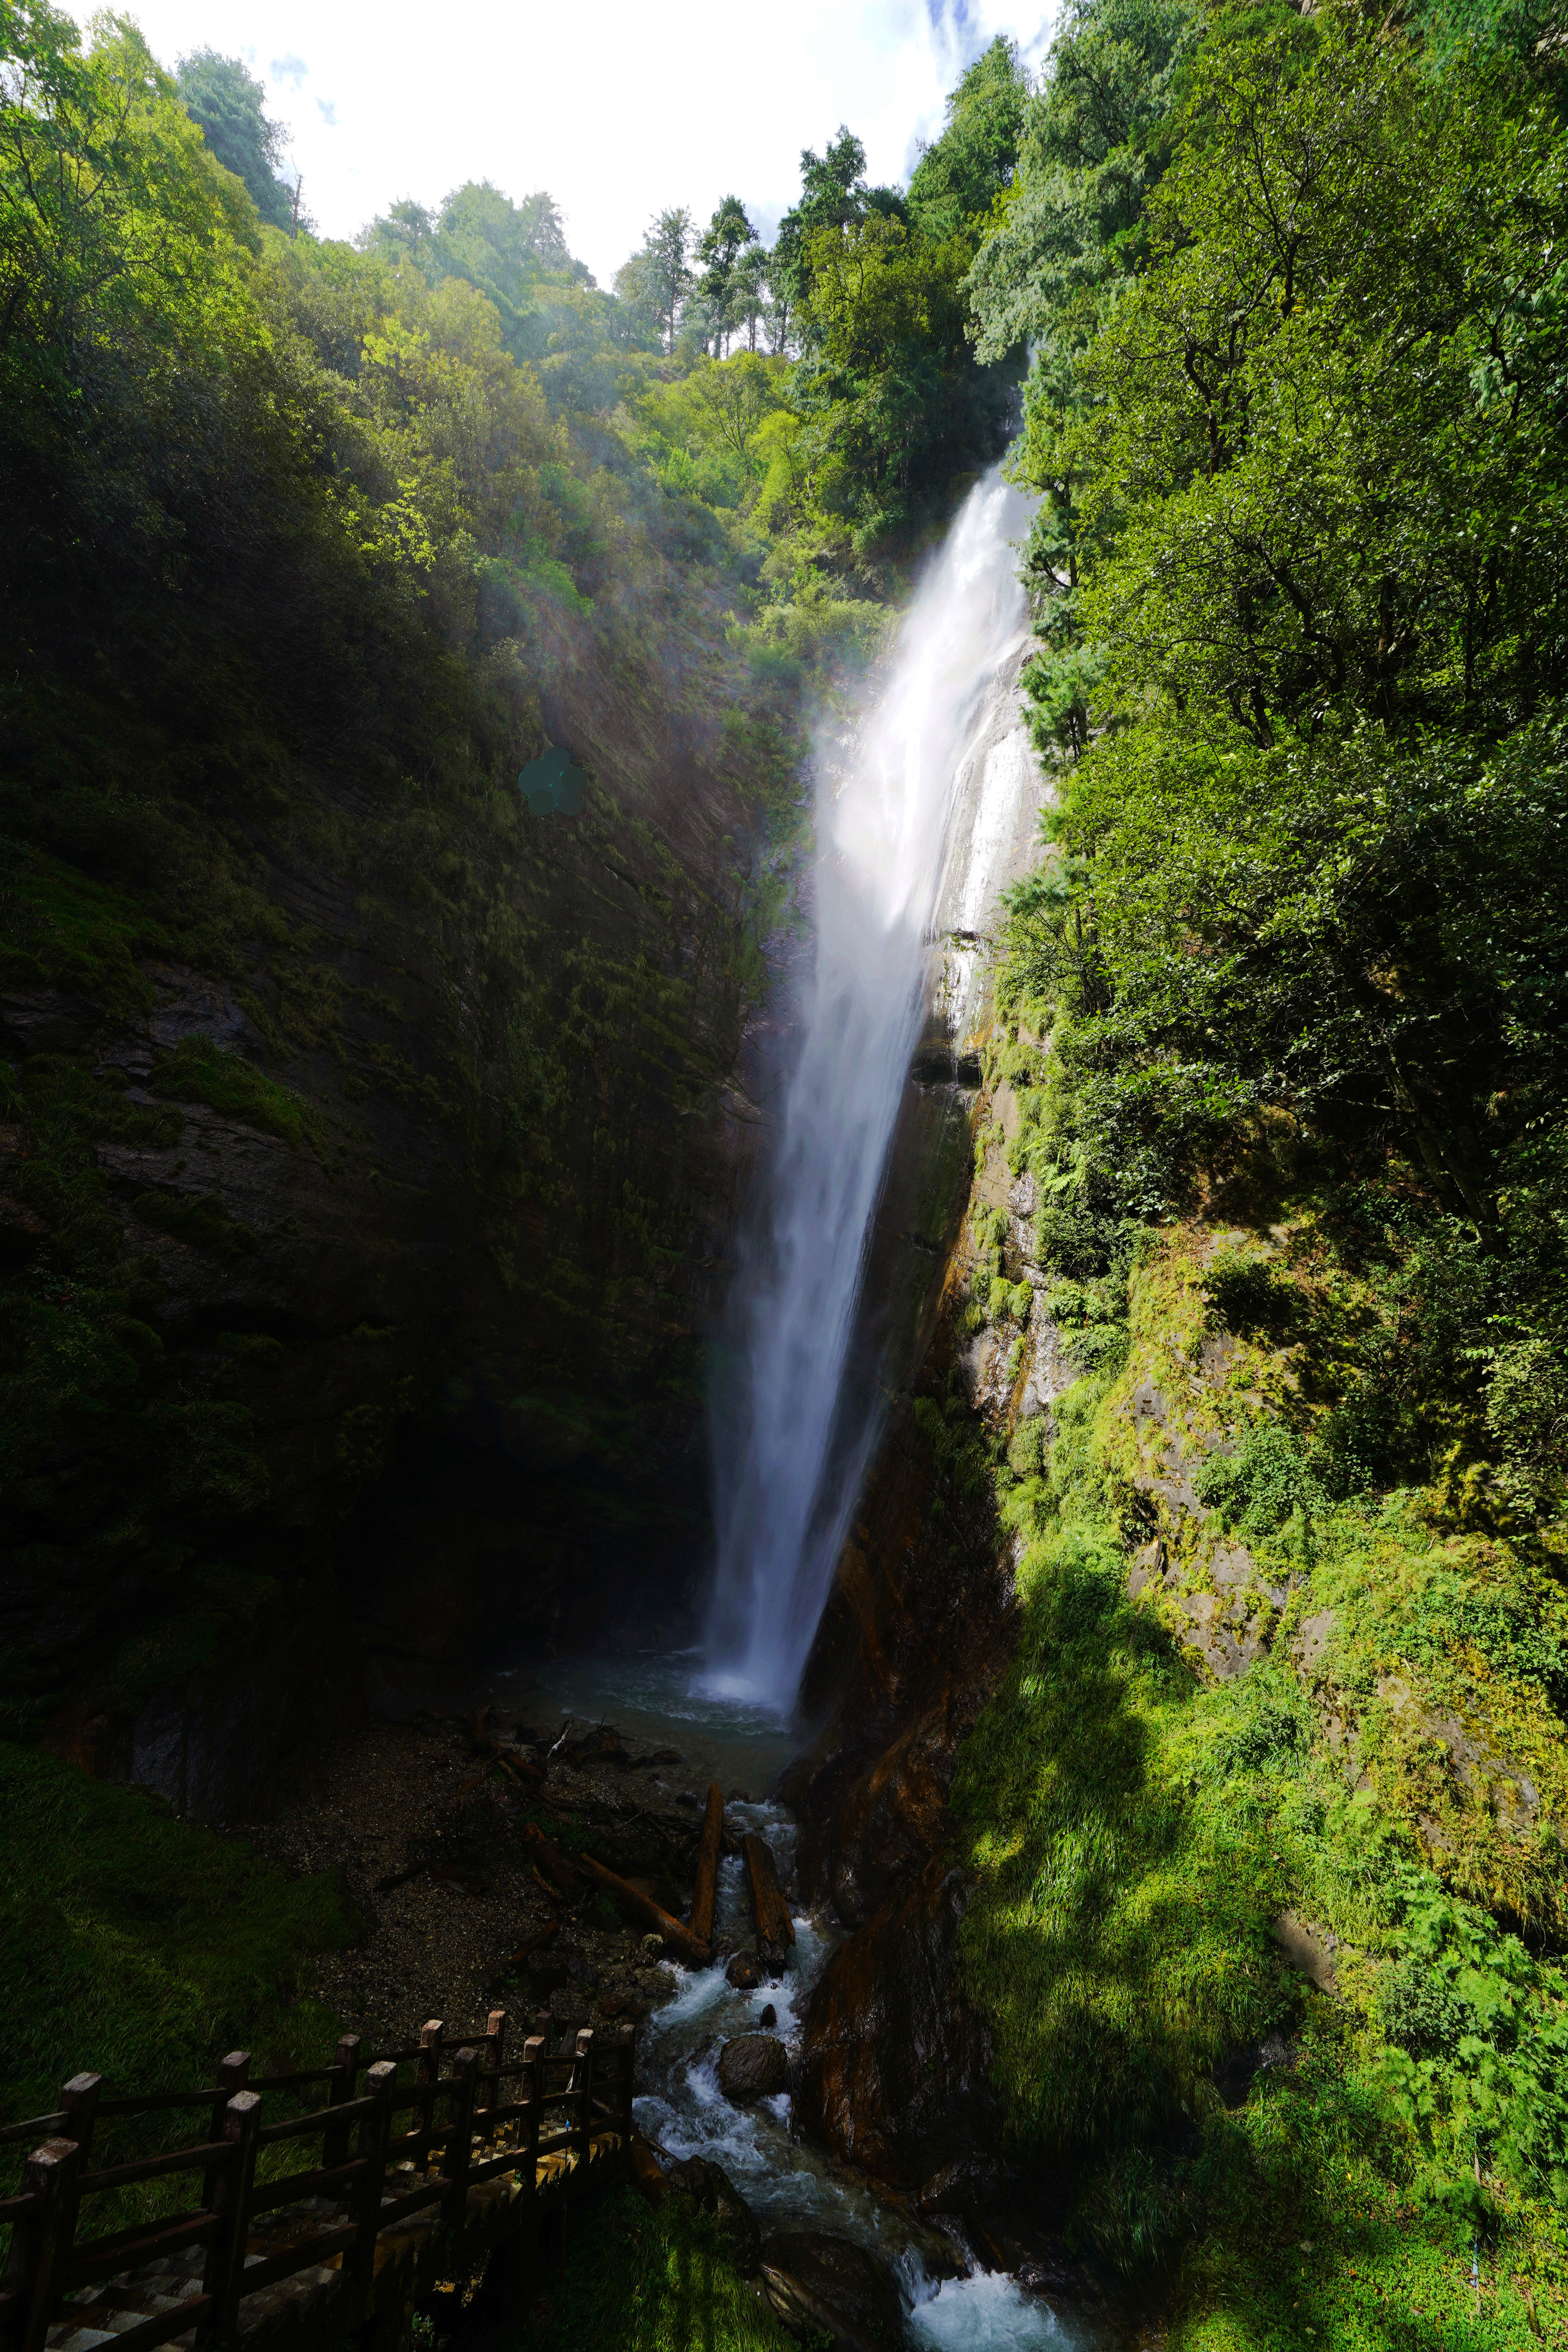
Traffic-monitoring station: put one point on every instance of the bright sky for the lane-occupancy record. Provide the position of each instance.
(619, 108)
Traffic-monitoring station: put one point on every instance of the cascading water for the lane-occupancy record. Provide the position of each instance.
(791, 1446)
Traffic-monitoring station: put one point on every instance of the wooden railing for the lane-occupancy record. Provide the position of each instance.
(482, 2116)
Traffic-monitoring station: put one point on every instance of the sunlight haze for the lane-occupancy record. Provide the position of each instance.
(616, 117)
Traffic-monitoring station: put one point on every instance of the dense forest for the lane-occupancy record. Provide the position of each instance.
(1284, 1016)
(314, 550)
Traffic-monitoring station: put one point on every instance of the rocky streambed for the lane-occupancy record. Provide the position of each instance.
(439, 1826)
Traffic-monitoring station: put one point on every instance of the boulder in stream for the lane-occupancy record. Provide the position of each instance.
(744, 1972)
(712, 2191)
(752, 2067)
(818, 2285)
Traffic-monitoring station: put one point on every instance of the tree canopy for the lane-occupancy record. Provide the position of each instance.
(220, 95)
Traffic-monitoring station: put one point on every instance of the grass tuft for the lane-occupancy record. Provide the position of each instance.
(640, 2281)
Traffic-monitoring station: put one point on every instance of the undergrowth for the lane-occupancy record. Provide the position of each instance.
(641, 2281)
(140, 1948)
(1285, 1417)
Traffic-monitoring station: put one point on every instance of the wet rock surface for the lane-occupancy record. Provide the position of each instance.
(820, 2284)
(752, 2067)
(892, 2076)
(917, 1630)
(318, 1256)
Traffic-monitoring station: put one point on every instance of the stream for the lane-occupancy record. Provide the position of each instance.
(661, 1702)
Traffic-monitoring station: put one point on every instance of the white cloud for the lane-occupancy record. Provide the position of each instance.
(618, 111)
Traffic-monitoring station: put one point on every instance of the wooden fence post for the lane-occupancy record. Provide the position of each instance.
(49, 2173)
(234, 2183)
(345, 2063)
(459, 2135)
(583, 2098)
(488, 2093)
(80, 2099)
(426, 2075)
(232, 2076)
(534, 2084)
(374, 2132)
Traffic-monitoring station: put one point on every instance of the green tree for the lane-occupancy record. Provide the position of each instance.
(1327, 420)
(226, 100)
(833, 194)
(1305, 625)
(749, 290)
(959, 178)
(720, 248)
(657, 278)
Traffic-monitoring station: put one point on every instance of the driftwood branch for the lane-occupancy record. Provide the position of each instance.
(776, 1928)
(560, 1869)
(643, 1908)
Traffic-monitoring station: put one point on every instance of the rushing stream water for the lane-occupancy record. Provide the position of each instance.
(916, 822)
(788, 2184)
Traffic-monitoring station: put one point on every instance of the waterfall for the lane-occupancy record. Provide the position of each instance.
(932, 789)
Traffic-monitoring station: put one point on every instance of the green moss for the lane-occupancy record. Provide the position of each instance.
(203, 1222)
(1393, 1768)
(1135, 1834)
(1123, 1944)
(58, 929)
(221, 1608)
(199, 1071)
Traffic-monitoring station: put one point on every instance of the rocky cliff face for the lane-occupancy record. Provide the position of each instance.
(440, 1137)
(917, 1630)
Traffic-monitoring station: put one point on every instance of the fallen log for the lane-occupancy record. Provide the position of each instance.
(559, 1868)
(708, 1865)
(484, 1743)
(776, 1928)
(642, 1906)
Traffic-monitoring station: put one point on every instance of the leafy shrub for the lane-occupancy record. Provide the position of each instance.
(1266, 1481)
(1500, 1622)
(1527, 1408)
(1273, 1736)
(1479, 2036)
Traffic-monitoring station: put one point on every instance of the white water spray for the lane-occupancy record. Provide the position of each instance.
(790, 1449)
